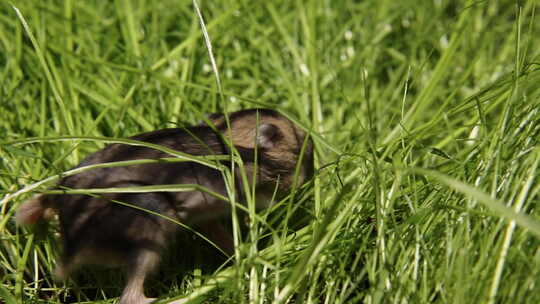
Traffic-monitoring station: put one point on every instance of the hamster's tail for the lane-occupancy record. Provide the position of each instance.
(33, 210)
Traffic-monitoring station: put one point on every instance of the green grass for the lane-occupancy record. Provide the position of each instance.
(425, 114)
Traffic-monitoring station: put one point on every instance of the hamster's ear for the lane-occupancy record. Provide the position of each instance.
(267, 136)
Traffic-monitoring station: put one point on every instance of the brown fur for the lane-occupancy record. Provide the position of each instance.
(95, 230)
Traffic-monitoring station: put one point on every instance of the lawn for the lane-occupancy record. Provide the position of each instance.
(425, 117)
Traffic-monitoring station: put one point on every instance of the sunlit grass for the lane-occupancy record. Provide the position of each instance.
(425, 117)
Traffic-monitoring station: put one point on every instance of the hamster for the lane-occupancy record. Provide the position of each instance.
(96, 229)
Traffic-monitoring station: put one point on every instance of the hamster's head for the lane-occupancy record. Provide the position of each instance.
(278, 143)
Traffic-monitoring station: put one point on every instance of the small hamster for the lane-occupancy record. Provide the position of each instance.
(96, 230)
